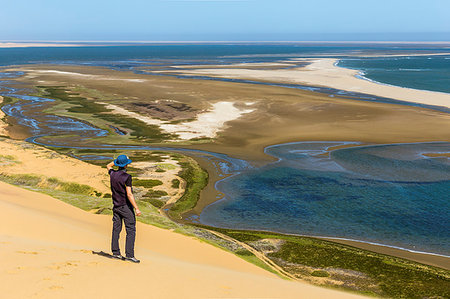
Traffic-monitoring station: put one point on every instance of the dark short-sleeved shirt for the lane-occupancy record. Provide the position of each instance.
(120, 179)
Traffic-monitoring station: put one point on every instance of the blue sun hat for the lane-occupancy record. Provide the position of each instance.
(122, 161)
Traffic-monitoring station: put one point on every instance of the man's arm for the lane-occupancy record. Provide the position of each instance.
(133, 202)
(110, 165)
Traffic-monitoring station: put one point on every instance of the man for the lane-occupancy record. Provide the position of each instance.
(124, 205)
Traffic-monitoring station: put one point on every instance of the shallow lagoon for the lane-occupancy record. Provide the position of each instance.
(389, 194)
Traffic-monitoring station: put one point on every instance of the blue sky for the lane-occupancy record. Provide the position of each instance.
(215, 20)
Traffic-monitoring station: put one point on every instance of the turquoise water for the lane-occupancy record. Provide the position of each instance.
(420, 72)
(388, 194)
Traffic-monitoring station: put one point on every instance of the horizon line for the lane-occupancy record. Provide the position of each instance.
(225, 41)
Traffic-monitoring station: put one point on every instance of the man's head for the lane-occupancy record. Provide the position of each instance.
(122, 161)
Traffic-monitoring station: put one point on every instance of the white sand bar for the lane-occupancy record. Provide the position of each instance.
(324, 72)
(74, 74)
(207, 124)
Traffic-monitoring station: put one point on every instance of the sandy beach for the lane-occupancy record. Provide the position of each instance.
(324, 72)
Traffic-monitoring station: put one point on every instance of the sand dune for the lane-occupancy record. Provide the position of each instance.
(27, 158)
(45, 247)
(324, 72)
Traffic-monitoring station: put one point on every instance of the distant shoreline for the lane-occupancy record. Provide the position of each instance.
(81, 43)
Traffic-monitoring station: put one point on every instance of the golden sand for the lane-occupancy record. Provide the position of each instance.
(46, 253)
(27, 158)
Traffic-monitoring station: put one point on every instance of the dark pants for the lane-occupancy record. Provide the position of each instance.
(126, 214)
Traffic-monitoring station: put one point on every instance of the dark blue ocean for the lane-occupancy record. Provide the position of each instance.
(388, 194)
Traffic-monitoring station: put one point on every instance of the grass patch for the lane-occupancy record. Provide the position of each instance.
(29, 180)
(146, 183)
(153, 201)
(166, 166)
(320, 273)
(196, 179)
(32, 180)
(8, 101)
(155, 193)
(8, 159)
(175, 183)
(88, 108)
(394, 277)
(72, 187)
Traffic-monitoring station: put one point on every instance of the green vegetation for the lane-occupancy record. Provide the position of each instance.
(320, 273)
(166, 166)
(8, 100)
(155, 193)
(153, 201)
(196, 179)
(146, 183)
(73, 187)
(364, 271)
(91, 111)
(7, 160)
(31, 180)
(175, 183)
(76, 195)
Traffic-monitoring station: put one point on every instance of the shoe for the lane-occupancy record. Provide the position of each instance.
(132, 259)
(117, 256)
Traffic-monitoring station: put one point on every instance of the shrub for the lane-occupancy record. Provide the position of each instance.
(147, 183)
(320, 273)
(175, 183)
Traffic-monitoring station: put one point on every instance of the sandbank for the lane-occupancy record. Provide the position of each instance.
(28, 45)
(324, 72)
(207, 124)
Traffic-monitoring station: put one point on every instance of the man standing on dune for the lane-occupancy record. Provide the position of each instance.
(124, 206)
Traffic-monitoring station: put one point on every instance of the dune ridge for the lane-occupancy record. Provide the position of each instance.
(46, 246)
